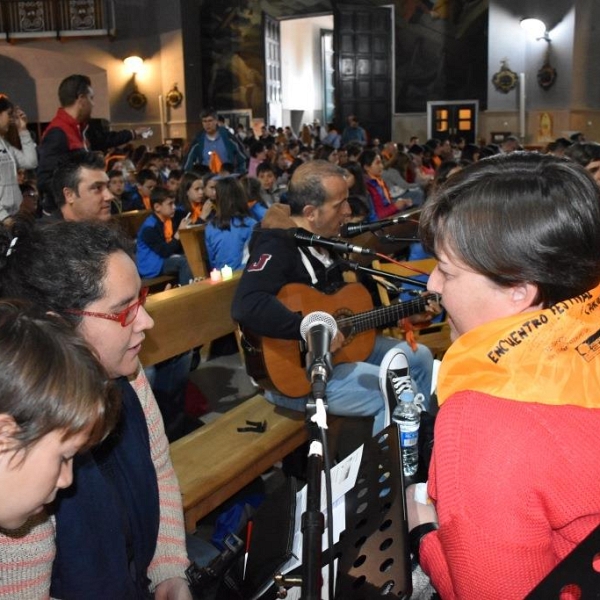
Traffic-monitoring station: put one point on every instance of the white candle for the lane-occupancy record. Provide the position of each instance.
(215, 275)
(226, 273)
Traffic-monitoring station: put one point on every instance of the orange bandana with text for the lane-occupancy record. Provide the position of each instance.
(550, 356)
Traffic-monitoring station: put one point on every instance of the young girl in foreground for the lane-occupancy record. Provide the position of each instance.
(54, 401)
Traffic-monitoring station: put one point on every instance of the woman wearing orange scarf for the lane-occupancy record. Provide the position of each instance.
(514, 482)
(382, 205)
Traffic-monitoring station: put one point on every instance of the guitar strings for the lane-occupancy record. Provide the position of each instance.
(379, 316)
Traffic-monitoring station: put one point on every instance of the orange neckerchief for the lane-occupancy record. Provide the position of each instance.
(196, 212)
(215, 163)
(167, 227)
(146, 201)
(384, 187)
(551, 356)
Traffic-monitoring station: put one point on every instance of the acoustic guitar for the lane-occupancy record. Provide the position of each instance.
(278, 365)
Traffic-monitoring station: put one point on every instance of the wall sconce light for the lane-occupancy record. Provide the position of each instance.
(134, 64)
(536, 29)
(546, 76)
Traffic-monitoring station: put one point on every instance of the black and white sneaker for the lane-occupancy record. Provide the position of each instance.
(395, 380)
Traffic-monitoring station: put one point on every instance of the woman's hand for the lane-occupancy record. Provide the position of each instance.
(19, 118)
(207, 208)
(421, 510)
(403, 203)
(173, 589)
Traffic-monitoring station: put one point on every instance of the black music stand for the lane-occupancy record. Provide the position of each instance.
(373, 554)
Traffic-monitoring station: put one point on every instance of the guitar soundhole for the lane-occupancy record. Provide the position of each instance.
(345, 328)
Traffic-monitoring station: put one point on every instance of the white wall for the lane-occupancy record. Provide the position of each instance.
(301, 71)
(508, 41)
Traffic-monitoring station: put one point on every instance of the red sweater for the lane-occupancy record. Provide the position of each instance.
(515, 472)
(516, 487)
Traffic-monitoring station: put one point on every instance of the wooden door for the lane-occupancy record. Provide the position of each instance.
(364, 59)
(272, 37)
(445, 119)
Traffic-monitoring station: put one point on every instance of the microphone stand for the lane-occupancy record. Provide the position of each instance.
(313, 521)
(354, 266)
(393, 239)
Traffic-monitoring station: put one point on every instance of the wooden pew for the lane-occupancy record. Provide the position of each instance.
(186, 317)
(131, 221)
(158, 284)
(194, 248)
(216, 461)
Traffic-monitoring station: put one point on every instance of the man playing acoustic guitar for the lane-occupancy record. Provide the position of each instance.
(317, 202)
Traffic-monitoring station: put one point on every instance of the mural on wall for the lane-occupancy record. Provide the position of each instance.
(441, 50)
(232, 46)
(232, 55)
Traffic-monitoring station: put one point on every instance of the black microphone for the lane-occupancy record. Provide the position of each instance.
(306, 238)
(317, 330)
(352, 229)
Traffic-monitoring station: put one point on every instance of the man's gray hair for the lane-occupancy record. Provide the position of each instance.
(306, 186)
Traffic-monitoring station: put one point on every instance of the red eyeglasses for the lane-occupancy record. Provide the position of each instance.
(125, 317)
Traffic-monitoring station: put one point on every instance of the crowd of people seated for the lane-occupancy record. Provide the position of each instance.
(483, 502)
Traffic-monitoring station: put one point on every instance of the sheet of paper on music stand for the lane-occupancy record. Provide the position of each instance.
(343, 479)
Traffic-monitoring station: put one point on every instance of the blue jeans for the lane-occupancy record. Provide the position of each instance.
(178, 264)
(353, 388)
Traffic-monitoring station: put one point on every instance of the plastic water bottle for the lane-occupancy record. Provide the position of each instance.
(407, 417)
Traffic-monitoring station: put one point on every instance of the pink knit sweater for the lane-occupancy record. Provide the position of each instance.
(26, 554)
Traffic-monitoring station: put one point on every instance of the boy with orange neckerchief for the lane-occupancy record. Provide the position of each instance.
(159, 250)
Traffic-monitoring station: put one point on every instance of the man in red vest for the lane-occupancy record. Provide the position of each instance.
(68, 131)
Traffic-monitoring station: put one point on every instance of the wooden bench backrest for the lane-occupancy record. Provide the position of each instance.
(187, 317)
(194, 247)
(131, 221)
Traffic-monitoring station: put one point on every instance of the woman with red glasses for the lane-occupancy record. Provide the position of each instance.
(118, 531)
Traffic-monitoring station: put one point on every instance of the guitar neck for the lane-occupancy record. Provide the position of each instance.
(386, 315)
